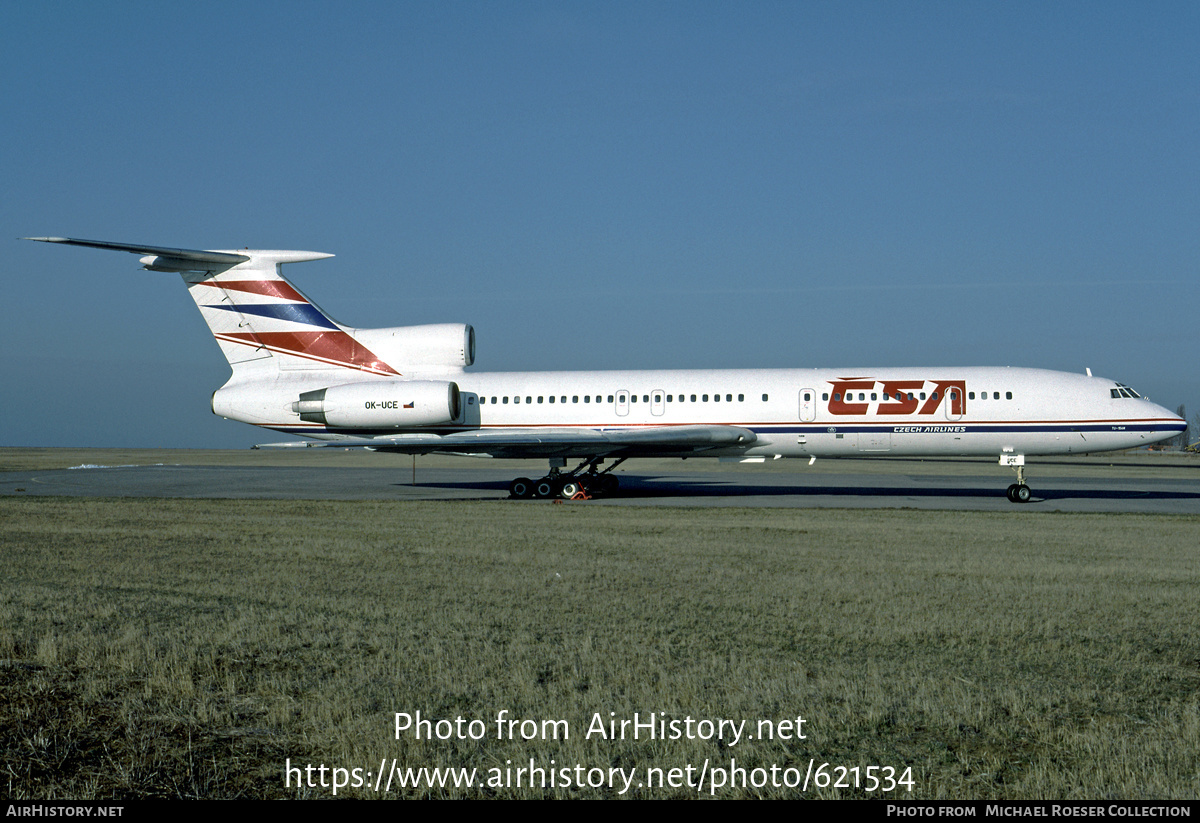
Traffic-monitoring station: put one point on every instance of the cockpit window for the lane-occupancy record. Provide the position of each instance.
(1123, 391)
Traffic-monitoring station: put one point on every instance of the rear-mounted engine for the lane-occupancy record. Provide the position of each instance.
(381, 404)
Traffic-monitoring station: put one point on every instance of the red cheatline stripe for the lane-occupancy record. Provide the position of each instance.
(335, 347)
(270, 288)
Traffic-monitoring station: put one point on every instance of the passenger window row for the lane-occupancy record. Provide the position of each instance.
(599, 398)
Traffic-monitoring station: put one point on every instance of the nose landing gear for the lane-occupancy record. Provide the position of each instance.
(1018, 492)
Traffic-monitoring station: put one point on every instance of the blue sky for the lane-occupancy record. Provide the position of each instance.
(600, 185)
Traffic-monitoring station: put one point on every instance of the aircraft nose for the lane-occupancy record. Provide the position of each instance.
(1165, 412)
(1173, 424)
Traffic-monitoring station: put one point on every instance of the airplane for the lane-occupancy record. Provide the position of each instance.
(405, 389)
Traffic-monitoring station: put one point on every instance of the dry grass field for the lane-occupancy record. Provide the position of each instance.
(168, 648)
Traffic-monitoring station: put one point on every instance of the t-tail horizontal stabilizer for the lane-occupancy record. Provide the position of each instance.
(221, 258)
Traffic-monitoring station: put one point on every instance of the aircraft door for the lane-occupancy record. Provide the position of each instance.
(955, 402)
(808, 405)
(622, 403)
(657, 405)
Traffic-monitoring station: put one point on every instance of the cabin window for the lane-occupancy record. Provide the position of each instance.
(729, 398)
(516, 399)
(704, 397)
(610, 398)
(506, 399)
(825, 396)
(741, 398)
(716, 398)
(764, 398)
(587, 398)
(1008, 395)
(873, 397)
(493, 401)
(693, 398)
(551, 398)
(470, 401)
(837, 397)
(922, 395)
(995, 395)
(574, 398)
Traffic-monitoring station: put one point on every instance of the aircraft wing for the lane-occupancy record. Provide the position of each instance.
(669, 441)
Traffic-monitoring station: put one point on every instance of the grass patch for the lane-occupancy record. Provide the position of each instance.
(163, 648)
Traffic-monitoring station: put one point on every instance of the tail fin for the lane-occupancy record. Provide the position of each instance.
(259, 319)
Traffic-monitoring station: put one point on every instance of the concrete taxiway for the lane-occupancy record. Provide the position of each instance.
(1144, 483)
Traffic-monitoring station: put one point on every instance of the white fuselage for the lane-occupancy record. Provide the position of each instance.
(793, 412)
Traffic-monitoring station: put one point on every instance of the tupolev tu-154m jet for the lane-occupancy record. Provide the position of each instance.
(405, 389)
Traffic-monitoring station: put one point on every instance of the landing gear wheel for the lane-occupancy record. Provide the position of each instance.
(521, 488)
(1019, 493)
(546, 487)
(569, 490)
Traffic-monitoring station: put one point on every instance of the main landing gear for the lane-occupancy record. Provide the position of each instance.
(1018, 492)
(576, 484)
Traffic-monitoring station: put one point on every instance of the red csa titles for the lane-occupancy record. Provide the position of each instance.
(899, 396)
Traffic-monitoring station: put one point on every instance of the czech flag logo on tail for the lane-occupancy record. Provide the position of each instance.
(256, 315)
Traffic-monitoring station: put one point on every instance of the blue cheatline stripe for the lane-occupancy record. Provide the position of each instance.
(293, 312)
(971, 428)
